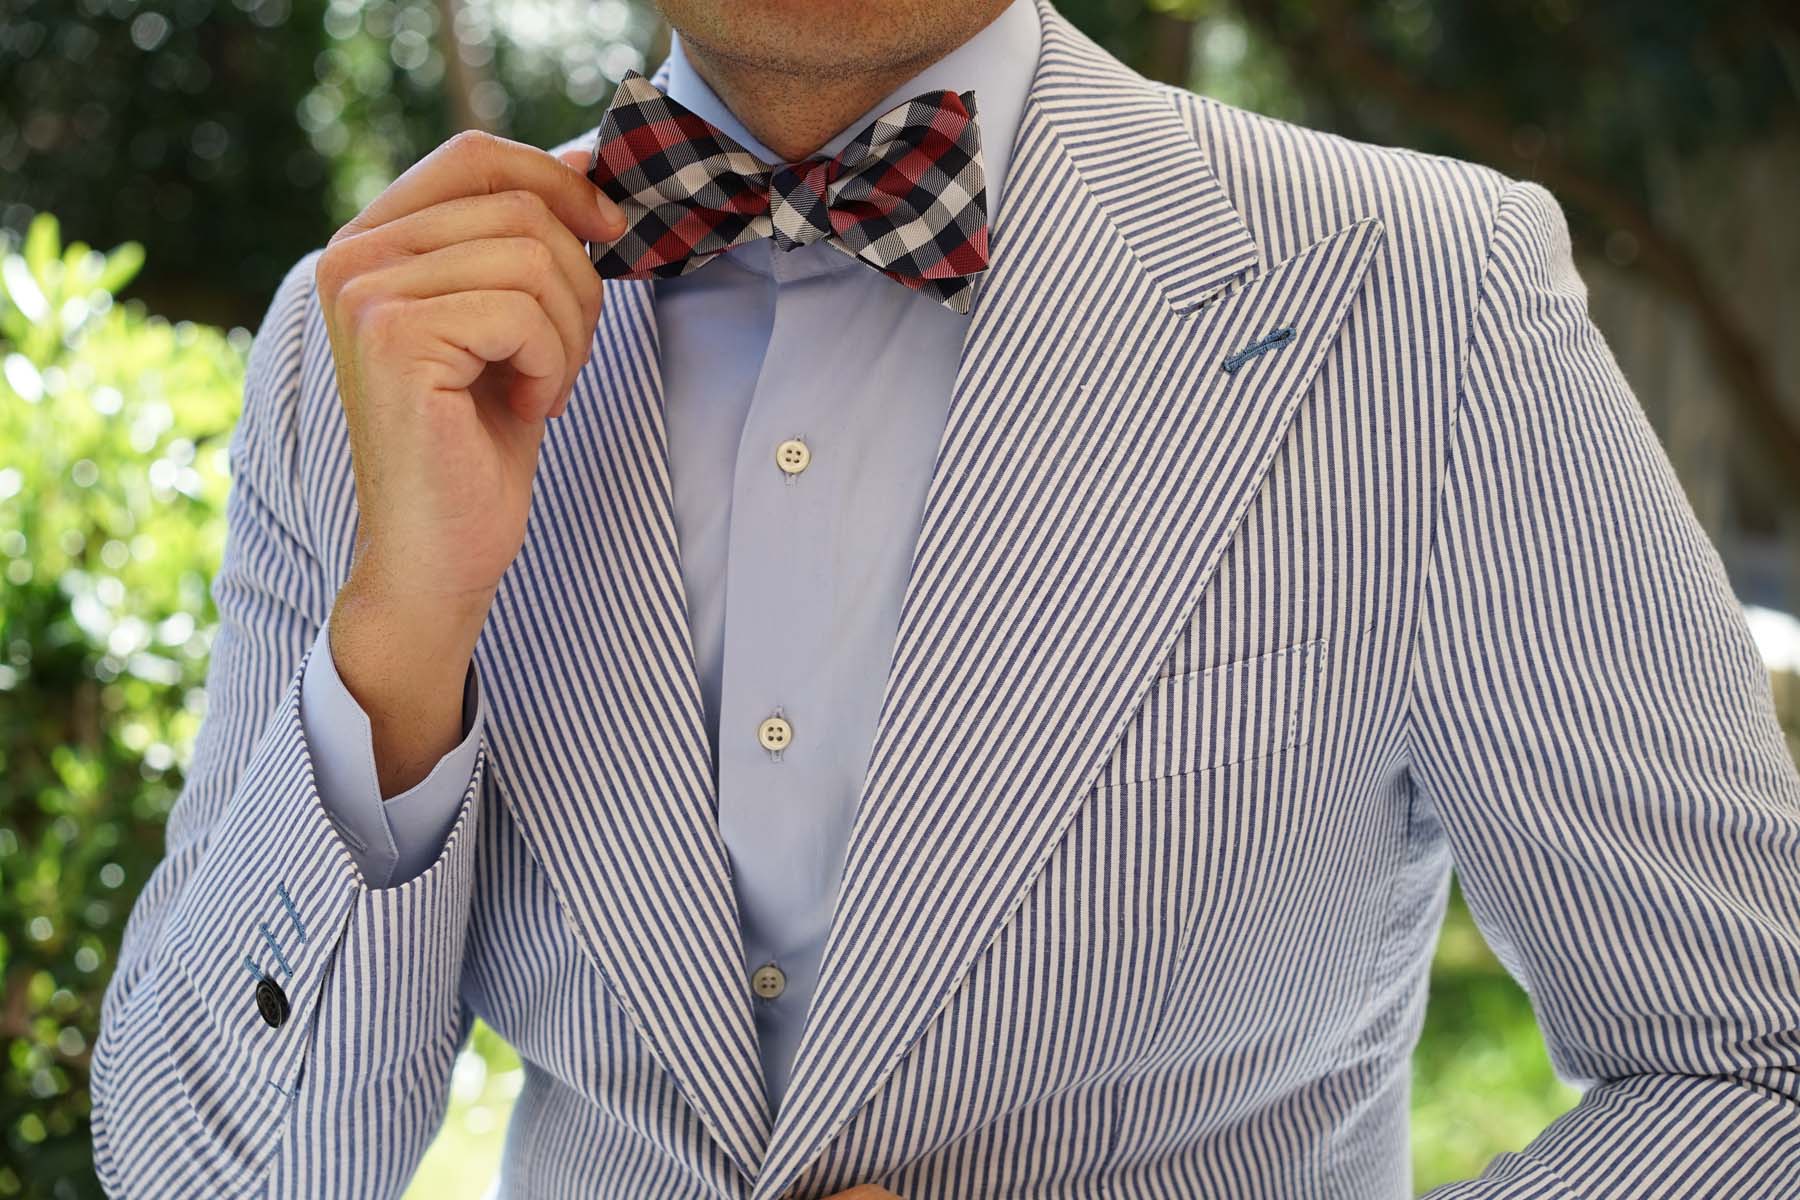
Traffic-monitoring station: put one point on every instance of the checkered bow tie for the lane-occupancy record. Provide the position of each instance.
(906, 196)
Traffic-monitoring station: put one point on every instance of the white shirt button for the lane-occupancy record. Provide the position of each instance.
(792, 456)
(768, 981)
(774, 733)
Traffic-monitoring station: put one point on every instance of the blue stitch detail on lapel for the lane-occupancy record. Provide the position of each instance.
(1262, 345)
(287, 902)
(250, 965)
(275, 948)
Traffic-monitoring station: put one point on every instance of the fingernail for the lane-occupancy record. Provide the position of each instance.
(615, 219)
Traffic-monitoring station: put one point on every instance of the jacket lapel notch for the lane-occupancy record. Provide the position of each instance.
(598, 735)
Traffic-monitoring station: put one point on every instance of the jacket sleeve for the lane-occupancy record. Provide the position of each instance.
(338, 1089)
(1592, 725)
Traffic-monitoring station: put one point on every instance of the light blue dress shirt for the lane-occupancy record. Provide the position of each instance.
(794, 578)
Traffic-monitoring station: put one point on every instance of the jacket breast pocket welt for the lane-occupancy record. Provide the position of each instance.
(1219, 715)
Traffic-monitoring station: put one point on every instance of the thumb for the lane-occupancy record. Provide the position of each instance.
(578, 158)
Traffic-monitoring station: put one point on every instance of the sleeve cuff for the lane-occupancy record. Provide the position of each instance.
(393, 840)
(279, 970)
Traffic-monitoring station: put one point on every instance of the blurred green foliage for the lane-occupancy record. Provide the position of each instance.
(233, 136)
(113, 427)
(171, 122)
(1482, 1080)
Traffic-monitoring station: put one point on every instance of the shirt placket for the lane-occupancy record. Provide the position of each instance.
(777, 733)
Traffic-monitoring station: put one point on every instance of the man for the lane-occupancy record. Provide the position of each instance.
(988, 718)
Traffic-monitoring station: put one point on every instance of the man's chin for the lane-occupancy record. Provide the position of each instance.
(819, 38)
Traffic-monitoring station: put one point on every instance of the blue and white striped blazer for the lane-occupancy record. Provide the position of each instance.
(1211, 664)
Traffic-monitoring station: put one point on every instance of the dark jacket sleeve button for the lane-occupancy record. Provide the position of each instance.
(271, 1002)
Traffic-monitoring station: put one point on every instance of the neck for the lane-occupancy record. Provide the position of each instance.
(796, 90)
(792, 114)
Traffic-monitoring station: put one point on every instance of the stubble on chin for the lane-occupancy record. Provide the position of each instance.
(820, 41)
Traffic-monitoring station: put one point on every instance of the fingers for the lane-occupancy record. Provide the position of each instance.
(471, 219)
(520, 264)
(516, 213)
(577, 158)
(474, 163)
(484, 217)
(469, 330)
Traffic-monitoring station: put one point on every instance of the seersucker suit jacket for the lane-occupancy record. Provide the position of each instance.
(1293, 536)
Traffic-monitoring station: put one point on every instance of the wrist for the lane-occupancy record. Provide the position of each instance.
(428, 638)
(404, 660)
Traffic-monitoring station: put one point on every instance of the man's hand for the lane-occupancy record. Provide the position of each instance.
(460, 306)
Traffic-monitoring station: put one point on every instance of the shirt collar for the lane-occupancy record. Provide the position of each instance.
(997, 64)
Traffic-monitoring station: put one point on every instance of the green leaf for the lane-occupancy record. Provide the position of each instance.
(122, 265)
(21, 286)
(42, 242)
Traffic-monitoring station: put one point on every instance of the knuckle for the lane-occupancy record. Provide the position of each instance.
(356, 295)
(537, 259)
(380, 325)
(349, 230)
(329, 271)
(469, 143)
(343, 270)
(525, 209)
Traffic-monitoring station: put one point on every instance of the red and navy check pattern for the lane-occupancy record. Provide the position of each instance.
(907, 195)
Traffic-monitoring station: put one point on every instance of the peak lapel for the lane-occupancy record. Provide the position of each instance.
(598, 737)
(1096, 459)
